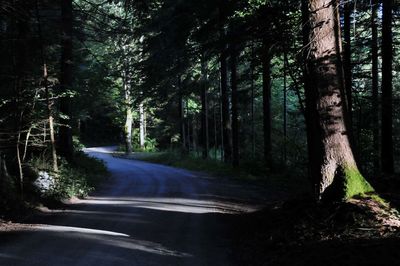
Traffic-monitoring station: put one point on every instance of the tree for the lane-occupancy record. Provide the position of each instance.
(347, 57)
(267, 118)
(387, 160)
(333, 168)
(66, 78)
(234, 105)
(375, 84)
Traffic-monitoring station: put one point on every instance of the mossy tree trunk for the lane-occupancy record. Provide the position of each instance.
(333, 167)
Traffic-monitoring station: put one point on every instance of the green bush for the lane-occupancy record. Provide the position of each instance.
(75, 179)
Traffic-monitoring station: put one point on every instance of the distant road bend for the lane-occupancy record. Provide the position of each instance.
(146, 214)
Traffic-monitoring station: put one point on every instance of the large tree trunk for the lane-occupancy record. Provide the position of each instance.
(65, 135)
(333, 166)
(204, 109)
(235, 113)
(267, 120)
(375, 84)
(387, 89)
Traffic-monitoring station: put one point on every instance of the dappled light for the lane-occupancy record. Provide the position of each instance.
(199, 132)
(171, 204)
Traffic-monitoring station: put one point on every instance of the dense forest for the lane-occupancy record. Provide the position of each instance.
(305, 91)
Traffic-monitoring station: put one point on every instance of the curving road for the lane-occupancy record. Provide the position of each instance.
(146, 214)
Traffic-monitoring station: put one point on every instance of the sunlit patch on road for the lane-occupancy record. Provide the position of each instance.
(172, 204)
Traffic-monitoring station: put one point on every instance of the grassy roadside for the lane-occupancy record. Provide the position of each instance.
(249, 171)
(75, 179)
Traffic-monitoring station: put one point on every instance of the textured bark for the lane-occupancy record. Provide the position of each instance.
(65, 134)
(267, 118)
(387, 160)
(333, 165)
(235, 113)
(204, 110)
(375, 84)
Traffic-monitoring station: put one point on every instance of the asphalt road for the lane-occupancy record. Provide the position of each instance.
(146, 214)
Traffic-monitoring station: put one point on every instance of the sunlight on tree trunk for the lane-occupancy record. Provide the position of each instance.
(334, 169)
(142, 122)
(128, 116)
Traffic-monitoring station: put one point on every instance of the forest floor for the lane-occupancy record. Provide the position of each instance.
(150, 214)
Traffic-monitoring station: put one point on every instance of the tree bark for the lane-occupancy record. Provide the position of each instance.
(334, 168)
(267, 119)
(375, 85)
(65, 133)
(235, 113)
(387, 160)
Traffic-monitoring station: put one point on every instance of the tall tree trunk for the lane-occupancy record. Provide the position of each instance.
(375, 85)
(65, 135)
(215, 131)
(267, 119)
(181, 112)
(128, 115)
(387, 160)
(253, 130)
(235, 112)
(204, 109)
(49, 101)
(142, 137)
(347, 57)
(334, 168)
(284, 107)
(226, 121)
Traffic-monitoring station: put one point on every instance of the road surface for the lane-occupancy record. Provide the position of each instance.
(145, 214)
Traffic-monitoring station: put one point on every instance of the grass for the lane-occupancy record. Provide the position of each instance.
(249, 170)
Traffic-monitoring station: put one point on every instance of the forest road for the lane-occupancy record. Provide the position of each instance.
(145, 214)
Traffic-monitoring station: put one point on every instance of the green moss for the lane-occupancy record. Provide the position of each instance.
(378, 199)
(355, 183)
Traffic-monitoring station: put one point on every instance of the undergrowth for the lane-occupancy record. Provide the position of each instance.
(249, 170)
(75, 179)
